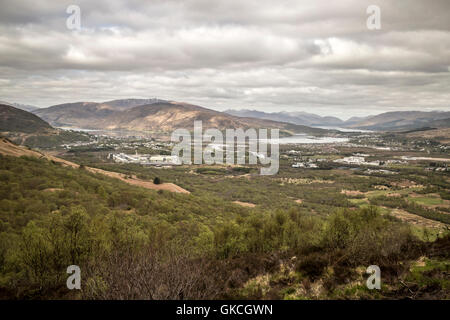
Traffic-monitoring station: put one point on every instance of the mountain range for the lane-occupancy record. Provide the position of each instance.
(402, 120)
(301, 118)
(388, 121)
(154, 115)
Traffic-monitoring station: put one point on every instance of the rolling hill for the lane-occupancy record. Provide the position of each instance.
(300, 118)
(157, 116)
(87, 115)
(26, 128)
(402, 120)
(25, 107)
(16, 120)
(388, 121)
(8, 148)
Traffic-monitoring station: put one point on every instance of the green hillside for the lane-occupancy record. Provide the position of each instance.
(134, 243)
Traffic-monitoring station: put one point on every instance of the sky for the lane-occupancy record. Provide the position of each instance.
(313, 56)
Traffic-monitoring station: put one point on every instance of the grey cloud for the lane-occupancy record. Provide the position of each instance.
(293, 55)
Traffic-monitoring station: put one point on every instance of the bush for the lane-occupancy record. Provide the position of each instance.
(366, 237)
(157, 180)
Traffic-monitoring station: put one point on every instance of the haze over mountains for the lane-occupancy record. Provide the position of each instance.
(25, 107)
(395, 121)
(403, 120)
(303, 118)
(157, 115)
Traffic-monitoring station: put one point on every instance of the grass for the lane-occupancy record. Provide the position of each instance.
(426, 275)
(425, 234)
(358, 202)
(427, 201)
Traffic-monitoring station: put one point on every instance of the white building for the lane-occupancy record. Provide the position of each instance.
(145, 159)
(351, 160)
(162, 159)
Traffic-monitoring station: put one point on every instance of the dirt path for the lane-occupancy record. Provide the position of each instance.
(245, 204)
(139, 182)
(417, 220)
(10, 149)
(352, 192)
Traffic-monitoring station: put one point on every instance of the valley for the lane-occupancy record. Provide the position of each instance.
(339, 202)
(214, 159)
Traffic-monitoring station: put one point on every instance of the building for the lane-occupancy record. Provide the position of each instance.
(145, 159)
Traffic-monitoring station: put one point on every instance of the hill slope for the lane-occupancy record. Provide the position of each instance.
(8, 148)
(25, 107)
(158, 116)
(26, 128)
(16, 120)
(300, 118)
(87, 115)
(402, 120)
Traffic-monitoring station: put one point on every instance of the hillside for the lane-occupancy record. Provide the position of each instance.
(402, 120)
(442, 135)
(388, 121)
(25, 107)
(87, 115)
(300, 118)
(25, 128)
(7, 148)
(158, 116)
(124, 104)
(166, 116)
(77, 114)
(16, 120)
(207, 243)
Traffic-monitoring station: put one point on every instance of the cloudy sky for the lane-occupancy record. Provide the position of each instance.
(315, 56)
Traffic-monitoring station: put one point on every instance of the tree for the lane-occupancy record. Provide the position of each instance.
(157, 180)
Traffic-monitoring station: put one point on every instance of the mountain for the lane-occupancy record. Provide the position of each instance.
(25, 128)
(16, 120)
(388, 121)
(158, 116)
(25, 107)
(401, 120)
(354, 120)
(78, 114)
(124, 104)
(300, 118)
(87, 115)
(167, 116)
(441, 123)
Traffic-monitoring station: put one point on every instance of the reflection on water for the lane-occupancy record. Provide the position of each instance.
(306, 139)
(297, 138)
(344, 129)
(303, 138)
